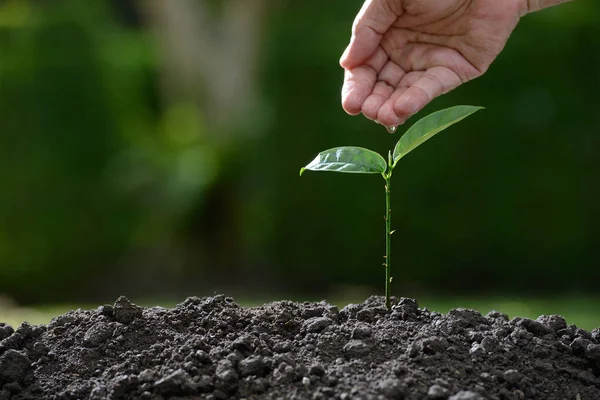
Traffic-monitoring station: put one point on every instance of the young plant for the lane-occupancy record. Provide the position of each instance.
(358, 160)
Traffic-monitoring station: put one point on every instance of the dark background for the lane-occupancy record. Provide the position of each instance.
(152, 148)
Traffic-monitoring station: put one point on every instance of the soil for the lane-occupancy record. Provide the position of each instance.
(211, 348)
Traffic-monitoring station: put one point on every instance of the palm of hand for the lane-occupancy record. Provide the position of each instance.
(430, 48)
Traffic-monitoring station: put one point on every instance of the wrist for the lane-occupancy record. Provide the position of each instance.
(529, 6)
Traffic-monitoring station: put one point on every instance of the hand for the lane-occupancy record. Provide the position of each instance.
(405, 53)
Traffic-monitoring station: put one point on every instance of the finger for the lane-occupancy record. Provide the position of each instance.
(387, 81)
(359, 82)
(386, 114)
(433, 82)
(381, 92)
(372, 21)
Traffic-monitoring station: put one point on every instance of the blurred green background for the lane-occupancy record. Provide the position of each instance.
(152, 149)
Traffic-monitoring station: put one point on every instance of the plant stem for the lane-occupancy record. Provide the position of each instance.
(388, 238)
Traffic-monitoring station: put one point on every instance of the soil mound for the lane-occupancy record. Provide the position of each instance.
(211, 348)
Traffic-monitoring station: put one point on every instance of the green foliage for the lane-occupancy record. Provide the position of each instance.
(365, 161)
(358, 160)
(90, 171)
(109, 180)
(511, 202)
(351, 160)
(429, 126)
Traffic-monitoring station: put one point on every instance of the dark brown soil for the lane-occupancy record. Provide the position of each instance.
(211, 348)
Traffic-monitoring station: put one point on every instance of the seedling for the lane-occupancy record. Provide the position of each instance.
(358, 160)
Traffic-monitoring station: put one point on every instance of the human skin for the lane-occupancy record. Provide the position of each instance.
(404, 53)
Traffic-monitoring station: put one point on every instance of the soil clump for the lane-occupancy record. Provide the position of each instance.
(211, 348)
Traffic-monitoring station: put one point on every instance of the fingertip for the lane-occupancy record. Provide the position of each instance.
(362, 46)
(370, 107)
(350, 103)
(386, 116)
(358, 84)
(404, 108)
(351, 108)
(344, 57)
(349, 59)
(411, 102)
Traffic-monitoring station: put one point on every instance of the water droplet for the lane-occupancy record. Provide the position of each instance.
(391, 129)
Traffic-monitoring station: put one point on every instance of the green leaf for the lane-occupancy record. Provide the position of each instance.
(427, 127)
(352, 160)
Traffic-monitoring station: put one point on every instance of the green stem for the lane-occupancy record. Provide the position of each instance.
(388, 239)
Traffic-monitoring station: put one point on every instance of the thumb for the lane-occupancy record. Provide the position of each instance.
(373, 20)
